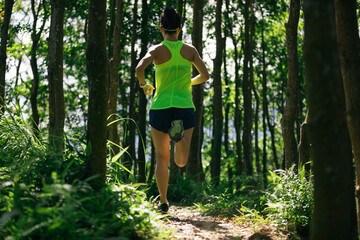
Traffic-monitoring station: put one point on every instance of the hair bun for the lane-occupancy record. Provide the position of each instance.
(169, 12)
(170, 20)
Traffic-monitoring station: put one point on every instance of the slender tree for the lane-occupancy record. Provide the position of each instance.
(194, 165)
(110, 30)
(97, 65)
(217, 101)
(55, 76)
(131, 158)
(237, 118)
(114, 78)
(256, 129)
(4, 39)
(293, 86)
(142, 97)
(246, 87)
(227, 105)
(349, 48)
(35, 37)
(334, 215)
(264, 103)
(256, 95)
(304, 145)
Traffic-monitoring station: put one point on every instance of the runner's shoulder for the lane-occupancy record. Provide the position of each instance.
(191, 51)
(189, 47)
(156, 49)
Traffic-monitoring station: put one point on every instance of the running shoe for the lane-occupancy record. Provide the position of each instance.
(176, 130)
(164, 208)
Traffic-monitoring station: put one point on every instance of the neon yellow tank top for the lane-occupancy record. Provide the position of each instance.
(173, 80)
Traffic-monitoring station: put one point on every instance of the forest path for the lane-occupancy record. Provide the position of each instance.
(190, 225)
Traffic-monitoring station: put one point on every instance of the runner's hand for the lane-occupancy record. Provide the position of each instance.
(148, 89)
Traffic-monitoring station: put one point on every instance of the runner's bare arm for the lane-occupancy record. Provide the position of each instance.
(200, 66)
(143, 63)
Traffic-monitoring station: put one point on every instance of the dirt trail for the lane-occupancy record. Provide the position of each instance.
(190, 225)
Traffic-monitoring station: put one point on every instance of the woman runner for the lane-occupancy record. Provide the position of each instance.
(172, 110)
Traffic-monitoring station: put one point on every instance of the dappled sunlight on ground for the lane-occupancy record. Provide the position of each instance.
(190, 225)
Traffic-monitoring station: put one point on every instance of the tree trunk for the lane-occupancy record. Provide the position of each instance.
(131, 160)
(17, 100)
(152, 164)
(237, 118)
(256, 130)
(97, 65)
(4, 39)
(114, 79)
(265, 105)
(273, 146)
(293, 85)
(142, 97)
(180, 7)
(35, 37)
(334, 215)
(256, 94)
(349, 48)
(246, 86)
(227, 103)
(194, 165)
(304, 145)
(217, 101)
(55, 77)
(110, 31)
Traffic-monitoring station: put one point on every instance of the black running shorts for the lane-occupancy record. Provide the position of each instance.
(161, 119)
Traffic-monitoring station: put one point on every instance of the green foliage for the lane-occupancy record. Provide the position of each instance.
(38, 201)
(75, 211)
(224, 201)
(183, 191)
(290, 200)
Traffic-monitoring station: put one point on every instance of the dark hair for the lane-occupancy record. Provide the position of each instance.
(170, 21)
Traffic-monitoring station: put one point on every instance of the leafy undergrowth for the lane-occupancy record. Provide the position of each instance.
(44, 198)
(75, 211)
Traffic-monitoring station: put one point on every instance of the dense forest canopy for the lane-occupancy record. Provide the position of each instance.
(68, 71)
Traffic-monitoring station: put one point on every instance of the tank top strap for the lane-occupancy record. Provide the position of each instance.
(174, 47)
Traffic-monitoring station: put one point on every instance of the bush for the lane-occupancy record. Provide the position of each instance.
(223, 201)
(64, 211)
(290, 200)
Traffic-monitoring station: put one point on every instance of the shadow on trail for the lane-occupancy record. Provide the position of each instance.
(201, 224)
